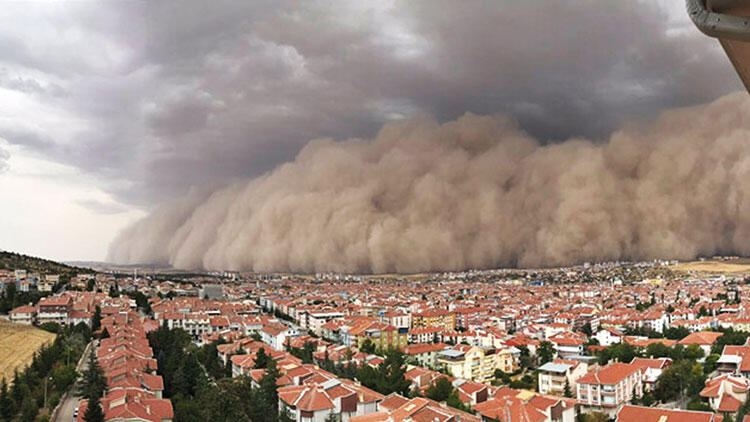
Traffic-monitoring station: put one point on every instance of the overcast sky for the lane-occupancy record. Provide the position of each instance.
(109, 108)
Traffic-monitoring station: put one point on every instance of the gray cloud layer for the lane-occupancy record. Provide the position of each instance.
(474, 192)
(162, 96)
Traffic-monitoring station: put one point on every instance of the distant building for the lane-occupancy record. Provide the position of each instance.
(211, 291)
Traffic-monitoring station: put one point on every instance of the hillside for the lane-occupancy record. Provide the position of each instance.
(12, 261)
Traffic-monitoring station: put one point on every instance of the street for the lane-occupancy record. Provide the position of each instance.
(67, 407)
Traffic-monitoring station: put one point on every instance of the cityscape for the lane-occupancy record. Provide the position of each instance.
(375, 211)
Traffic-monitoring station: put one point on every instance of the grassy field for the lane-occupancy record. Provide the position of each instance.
(18, 344)
(715, 267)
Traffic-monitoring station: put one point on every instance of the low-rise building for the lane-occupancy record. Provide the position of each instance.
(607, 389)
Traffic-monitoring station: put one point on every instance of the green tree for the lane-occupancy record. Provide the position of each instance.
(94, 412)
(676, 333)
(567, 392)
(29, 409)
(267, 397)
(658, 350)
(93, 383)
(261, 359)
(96, 321)
(546, 352)
(6, 403)
(440, 390)
(683, 378)
(367, 346)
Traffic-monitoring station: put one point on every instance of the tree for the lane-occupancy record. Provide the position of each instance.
(546, 352)
(440, 390)
(388, 377)
(683, 378)
(676, 333)
(744, 410)
(367, 346)
(93, 383)
(94, 412)
(266, 396)
(730, 337)
(393, 370)
(261, 359)
(710, 364)
(96, 321)
(6, 403)
(658, 350)
(524, 358)
(567, 392)
(621, 352)
(29, 409)
(693, 352)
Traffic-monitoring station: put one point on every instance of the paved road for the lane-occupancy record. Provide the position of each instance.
(65, 414)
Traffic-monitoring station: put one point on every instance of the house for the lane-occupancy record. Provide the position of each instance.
(734, 360)
(726, 393)
(522, 406)
(568, 344)
(317, 401)
(383, 336)
(436, 318)
(424, 354)
(275, 335)
(469, 362)
(23, 314)
(630, 413)
(471, 393)
(398, 409)
(652, 369)
(554, 376)
(606, 389)
(608, 336)
(54, 309)
(704, 339)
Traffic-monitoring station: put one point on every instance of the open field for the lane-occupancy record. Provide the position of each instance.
(716, 267)
(18, 344)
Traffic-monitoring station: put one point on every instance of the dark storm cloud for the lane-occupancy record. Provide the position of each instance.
(168, 95)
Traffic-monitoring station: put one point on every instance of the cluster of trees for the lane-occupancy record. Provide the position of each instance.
(671, 333)
(729, 337)
(12, 261)
(684, 378)
(37, 388)
(624, 352)
(442, 390)
(202, 389)
(11, 298)
(388, 377)
(305, 353)
(93, 387)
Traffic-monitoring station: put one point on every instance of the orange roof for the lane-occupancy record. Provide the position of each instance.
(630, 413)
(611, 374)
(701, 338)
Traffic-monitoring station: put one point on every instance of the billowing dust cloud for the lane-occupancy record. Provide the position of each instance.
(472, 193)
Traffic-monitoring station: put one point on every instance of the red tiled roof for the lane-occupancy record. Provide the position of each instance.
(630, 413)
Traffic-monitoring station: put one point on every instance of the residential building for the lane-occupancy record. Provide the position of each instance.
(606, 389)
